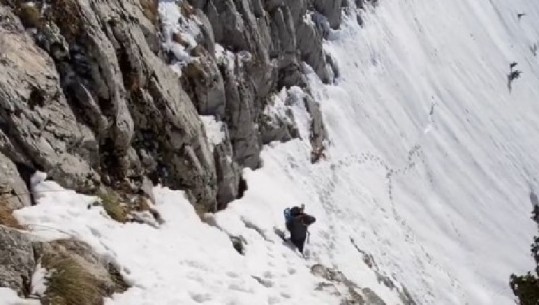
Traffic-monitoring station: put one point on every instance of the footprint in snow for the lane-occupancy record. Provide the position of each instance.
(273, 300)
(285, 295)
(200, 297)
(231, 274)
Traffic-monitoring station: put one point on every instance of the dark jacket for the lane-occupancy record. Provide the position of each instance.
(298, 226)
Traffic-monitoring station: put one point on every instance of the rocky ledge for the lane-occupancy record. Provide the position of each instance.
(108, 95)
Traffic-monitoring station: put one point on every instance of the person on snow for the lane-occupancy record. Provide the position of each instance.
(513, 74)
(297, 222)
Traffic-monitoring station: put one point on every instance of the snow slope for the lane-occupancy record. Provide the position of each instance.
(429, 167)
(430, 89)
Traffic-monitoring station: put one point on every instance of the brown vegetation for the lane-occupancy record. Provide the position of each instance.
(7, 218)
(30, 15)
(150, 10)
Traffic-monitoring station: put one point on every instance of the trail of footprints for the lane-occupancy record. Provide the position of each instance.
(415, 155)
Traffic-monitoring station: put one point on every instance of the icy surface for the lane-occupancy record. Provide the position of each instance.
(430, 164)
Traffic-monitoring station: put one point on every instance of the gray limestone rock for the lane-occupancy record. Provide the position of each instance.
(205, 86)
(16, 260)
(318, 130)
(113, 112)
(87, 97)
(13, 191)
(228, 175)
(241, 117)
(37, 122)
(309, 42)
(331, 9)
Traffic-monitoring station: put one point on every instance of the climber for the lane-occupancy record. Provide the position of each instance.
(514, 74)
(297, 222)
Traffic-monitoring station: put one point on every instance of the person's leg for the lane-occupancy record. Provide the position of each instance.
(299, 244)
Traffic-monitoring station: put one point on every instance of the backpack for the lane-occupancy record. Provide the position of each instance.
(287, 215)
(290, 213)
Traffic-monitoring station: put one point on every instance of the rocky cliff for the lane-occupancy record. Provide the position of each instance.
(117, 96)
(107, 95)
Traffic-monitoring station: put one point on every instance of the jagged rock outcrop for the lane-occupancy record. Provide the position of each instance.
(16, 260)
(86, 94)
(96, 105)
(261, 47)
(330, 9)
(13, 191)
(38, 125)
(265, 44)
(75, 274)
(228, 175)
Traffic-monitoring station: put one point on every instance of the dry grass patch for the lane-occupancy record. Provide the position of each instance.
(150, 10)
(67, 16)
(186, 9)
(77, 275)
(69, 283)
(7, 219)
(30, 15)
(114, 207)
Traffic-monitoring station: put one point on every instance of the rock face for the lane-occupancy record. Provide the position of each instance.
(38, 126)
(16, 260)
(76, 274)
(13, 191)
(265, 43)
(87, 93)
(88, 100)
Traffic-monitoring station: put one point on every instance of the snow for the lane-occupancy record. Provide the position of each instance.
(9, 297)
(215, 130)
(430, 164)
(224, 56)
(290, 101)
(277, 109)
(39, 281)
(174, 23)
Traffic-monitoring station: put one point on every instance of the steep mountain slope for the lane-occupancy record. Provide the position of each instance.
(431, 92)
(421, 195)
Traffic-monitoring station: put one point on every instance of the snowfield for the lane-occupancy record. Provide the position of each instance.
(429, 167)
